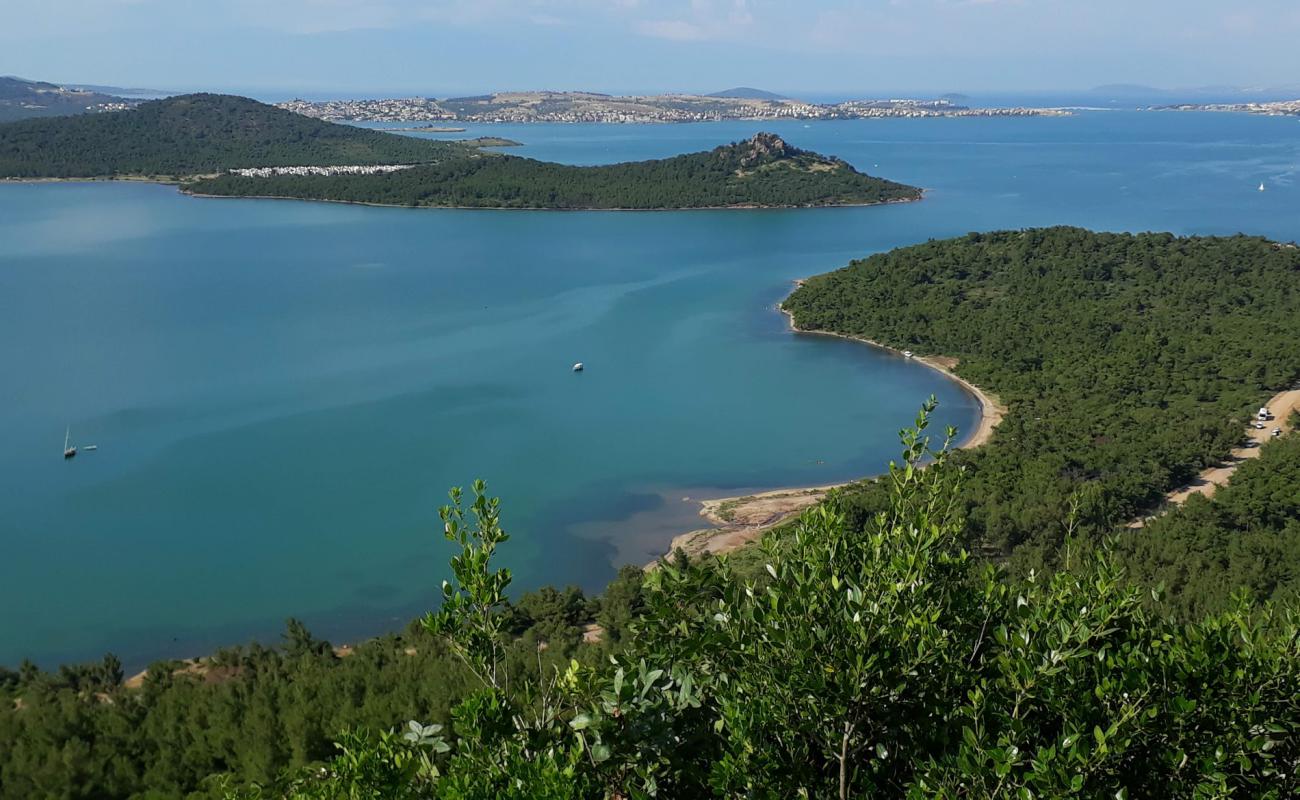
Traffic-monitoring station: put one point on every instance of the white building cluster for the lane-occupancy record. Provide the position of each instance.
(270, 172)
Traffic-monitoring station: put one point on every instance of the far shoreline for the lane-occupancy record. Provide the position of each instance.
(741, 207)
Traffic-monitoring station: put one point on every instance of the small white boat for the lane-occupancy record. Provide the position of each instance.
(1261, 186)
(907, 354)
(91, 447)
(577, 367)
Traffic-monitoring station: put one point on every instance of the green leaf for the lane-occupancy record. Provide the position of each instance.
(580, 722)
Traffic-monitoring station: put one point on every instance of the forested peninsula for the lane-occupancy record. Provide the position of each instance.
(199, 140)
(985, 626)
(1129, 363)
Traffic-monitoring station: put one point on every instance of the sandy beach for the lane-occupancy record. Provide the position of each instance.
(737, 521)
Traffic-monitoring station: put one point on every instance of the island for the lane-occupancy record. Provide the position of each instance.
(733, 104)
(24, 99)
(219, 145)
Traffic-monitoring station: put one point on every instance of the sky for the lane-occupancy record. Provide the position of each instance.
(446, 47)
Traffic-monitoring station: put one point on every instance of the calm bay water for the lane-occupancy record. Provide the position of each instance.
(282, 392)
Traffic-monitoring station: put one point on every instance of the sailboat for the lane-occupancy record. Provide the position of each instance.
(1261, 186)
(69, 449)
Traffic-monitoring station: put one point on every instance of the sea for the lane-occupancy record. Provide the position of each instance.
(281, 393)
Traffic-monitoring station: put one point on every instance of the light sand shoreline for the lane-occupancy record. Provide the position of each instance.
(738, 521)
(739, 207)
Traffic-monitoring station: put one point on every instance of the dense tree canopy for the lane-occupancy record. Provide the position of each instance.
(1246, 538)
(1129, 362)
(253, 712)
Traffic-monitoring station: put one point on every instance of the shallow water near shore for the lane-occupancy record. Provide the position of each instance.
(282, 392)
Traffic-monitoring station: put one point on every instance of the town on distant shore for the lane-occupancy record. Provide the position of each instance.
(734, 104)
(1281, 108)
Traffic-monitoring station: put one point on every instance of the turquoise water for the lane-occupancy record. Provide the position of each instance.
(281, 392)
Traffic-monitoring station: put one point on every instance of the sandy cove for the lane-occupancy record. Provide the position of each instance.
(737, 521)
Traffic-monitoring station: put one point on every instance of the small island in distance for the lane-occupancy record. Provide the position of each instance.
(24, 99)
(220, 145)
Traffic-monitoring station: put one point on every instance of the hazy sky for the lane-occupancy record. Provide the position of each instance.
(439, 47)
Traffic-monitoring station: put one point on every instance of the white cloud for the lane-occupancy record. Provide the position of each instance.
(702, 19)
(675, 29)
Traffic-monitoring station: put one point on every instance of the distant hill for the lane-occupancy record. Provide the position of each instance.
(24, 99)
(139, 93)
(196, 134)
(746, 93)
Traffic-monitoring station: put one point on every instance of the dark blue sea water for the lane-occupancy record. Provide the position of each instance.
(282, 392)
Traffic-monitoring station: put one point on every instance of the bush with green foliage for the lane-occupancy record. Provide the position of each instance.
(866, 663)
(250, 714)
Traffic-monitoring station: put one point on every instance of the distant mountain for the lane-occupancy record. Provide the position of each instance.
(746, 93)
(120, 91)
(196, 134)
(24, 99)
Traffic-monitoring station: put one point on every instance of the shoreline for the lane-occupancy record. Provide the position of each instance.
(734, 521)
(742, 207)
(180, 188)
(738, 521)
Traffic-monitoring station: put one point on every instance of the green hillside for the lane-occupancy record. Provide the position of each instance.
(1129, 362)
(196, 134)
